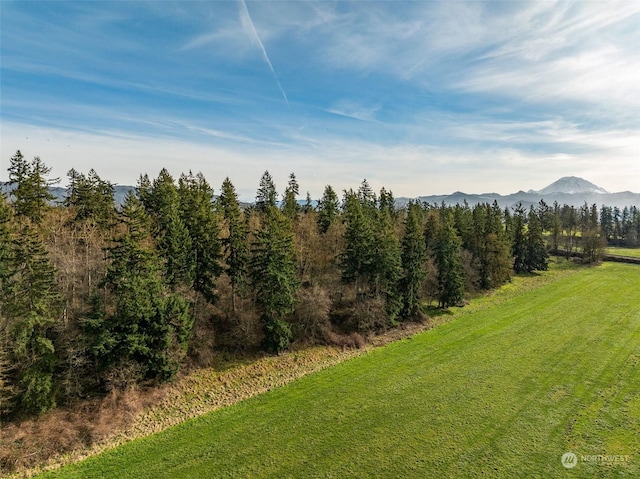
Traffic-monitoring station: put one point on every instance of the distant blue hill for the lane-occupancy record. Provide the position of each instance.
(569, 190)
(59, 192)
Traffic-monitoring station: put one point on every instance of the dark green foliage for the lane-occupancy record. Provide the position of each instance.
(446, 253)
(569, 221)
(387, 265)
(140, 323)
(267, 195)
(536, 257)
(162, 202)
(30, 186)
(29, 309)
(367, 197)
(414, 255)
(387, 203)
(519, 244)
(328, 209)
(356, 260)
(308, 205)
(6, 263)
(235, 244)
(371, 258)
(290, 206)
(555, 226)
(197, 212)
(463, 223)
(175, 246)
(274, 275)
(528, 248)
(545, 214)
(6, 253)
(489, 244)
(91, 197)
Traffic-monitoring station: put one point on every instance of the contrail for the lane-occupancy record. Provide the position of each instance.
(248, 24)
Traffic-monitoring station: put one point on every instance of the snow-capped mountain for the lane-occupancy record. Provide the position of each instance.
(571, 185)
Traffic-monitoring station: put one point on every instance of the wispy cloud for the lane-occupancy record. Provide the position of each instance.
(351, 109)
(247, 22)
(421, 97)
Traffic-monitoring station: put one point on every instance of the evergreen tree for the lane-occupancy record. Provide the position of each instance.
(176, 248)
(569, 219)
(91, 197)
(30, 186)
(274, 274)
(414, 253)
(387, 203)
(162, 202)
(556, 226)
(606, 222)
(367, 197)
(197, 212)
(593, 242)
(357, 259)
(463, 224)
(545, 214)
(328, 209)
(489, 245)
(508, 224)
(140, 323)
(536, 252)
(449, 263)
(267, 195)
(29, 307)
(387, 265)
(290, 206)
(529, 251)
(497, 250)
(235, 244)
(308, 205)
(6, 252)
(6, 266)
(519, 244)
(431, 227)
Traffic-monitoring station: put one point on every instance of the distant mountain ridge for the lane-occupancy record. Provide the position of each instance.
(59, 193)
(570, 190)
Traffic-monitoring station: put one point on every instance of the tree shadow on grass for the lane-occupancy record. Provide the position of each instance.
(525, 274)
(434, 312)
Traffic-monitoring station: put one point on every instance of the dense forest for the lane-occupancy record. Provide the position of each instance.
(95, 298)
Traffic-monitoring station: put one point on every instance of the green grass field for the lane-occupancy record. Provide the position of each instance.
(503, 390)
(618, 250)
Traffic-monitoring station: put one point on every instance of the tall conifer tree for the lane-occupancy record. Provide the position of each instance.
(235, 244)
(414, 254)
(274, 274)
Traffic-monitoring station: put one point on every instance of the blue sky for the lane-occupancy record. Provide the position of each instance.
(419, 97)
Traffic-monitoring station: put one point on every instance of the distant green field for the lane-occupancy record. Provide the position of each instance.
(501, 391)
(633, 252)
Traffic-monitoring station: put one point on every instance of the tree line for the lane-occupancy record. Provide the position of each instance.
(94, 297)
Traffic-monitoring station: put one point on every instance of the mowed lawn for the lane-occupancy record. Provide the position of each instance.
(502, 391)
(619, 250)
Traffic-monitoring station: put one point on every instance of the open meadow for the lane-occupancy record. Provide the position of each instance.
(545, 366)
